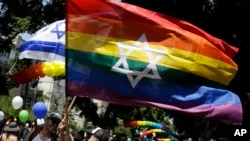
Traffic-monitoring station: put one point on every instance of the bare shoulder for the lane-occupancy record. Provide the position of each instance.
(12, 138)
(3, 137)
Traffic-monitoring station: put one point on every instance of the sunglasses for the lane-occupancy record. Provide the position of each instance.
(55, 121)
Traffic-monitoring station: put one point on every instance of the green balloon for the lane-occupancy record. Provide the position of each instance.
(23, 115)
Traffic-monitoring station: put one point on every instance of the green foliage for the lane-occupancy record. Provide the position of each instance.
(116, 115)
(27, 16)
(9, 111)
(121, 129)
(20, 25)
(6, 106)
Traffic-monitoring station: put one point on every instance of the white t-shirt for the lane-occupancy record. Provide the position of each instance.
(38, 138)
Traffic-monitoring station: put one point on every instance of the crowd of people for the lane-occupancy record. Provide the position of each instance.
(53, 128)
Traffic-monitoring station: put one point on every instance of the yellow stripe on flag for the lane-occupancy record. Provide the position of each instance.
(190, 62)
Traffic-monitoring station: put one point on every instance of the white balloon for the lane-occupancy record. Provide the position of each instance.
(1, 115)
(17, 102)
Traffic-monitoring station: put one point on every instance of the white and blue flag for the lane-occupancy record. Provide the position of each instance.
(47, 44)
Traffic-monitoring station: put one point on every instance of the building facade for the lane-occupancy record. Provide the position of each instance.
(52, 91)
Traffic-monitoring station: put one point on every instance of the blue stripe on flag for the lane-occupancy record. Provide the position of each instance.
(168, 92)
(43, 46)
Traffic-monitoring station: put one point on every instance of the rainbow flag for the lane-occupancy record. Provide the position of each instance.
(124, 54)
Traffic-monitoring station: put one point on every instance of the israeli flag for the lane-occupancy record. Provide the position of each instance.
(47, 44)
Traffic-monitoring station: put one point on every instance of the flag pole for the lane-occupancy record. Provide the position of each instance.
(71, 104)
(67, 109)
(66, 114)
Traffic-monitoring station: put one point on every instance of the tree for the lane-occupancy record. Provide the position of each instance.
(9, 111)
(27, 16)
(115, 115)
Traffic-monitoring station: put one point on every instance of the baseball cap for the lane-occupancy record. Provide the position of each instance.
(100, 134)
(55, 118)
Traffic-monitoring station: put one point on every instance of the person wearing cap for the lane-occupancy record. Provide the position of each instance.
(10, 132)
(98, 134)
(48, 129)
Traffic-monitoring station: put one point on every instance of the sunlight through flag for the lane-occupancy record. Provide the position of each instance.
(124, 54)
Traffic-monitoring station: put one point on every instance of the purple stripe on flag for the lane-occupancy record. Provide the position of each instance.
(216, 112)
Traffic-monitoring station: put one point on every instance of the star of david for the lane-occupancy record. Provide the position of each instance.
(58, 32)
(150, 71)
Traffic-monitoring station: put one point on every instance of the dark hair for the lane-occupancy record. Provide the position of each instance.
(82, 132)
(36, 132)
(136, 139)
(122, 137)
(55, 118)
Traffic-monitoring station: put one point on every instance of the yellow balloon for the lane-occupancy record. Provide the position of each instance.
(45, 67)
(62, 70)
(49, 72)
(53, 68)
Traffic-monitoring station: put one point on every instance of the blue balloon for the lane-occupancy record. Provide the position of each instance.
(39, 109)
(137, 132)
(145, 138)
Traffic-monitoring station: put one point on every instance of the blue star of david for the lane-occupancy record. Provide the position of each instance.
(57, 31)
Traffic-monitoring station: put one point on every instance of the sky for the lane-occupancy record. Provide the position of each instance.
(26, 36)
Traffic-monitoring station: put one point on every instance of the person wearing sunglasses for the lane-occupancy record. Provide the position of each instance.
(48, 129)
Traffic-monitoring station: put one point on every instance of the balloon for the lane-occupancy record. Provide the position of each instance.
(39, 70)
(145, 138)
(1, 115)
(149, 124)
(151, 131)
(146, 124)
(137, 132)
(17, 102)
(23, 115)
(165, 139)
(39, 109)
(8, 121)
